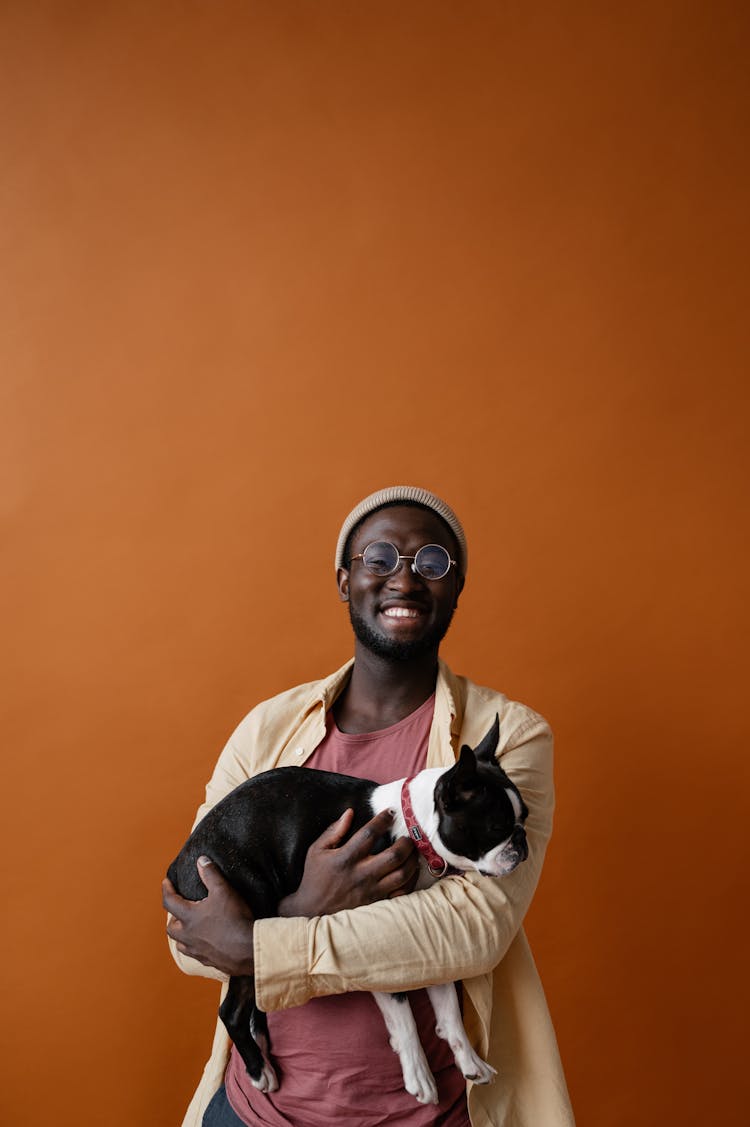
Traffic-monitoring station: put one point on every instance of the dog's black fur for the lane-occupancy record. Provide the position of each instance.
(259, 835)
(253, 835)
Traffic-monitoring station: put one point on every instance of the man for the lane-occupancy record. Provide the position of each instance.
(401, 562)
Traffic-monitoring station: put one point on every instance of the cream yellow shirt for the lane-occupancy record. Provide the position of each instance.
(466, 927)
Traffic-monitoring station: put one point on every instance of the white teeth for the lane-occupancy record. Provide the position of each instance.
(400, 612)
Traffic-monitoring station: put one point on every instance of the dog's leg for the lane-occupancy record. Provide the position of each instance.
(404, 1039)
(259, 1030)
(246, 1025)
(449, 1025)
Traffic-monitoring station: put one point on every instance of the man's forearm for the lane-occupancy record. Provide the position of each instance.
(458, 929)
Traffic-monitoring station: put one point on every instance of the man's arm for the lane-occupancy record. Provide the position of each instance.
(217, 932)
(459, 928)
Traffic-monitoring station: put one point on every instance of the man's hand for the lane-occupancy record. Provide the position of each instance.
(340, 876)
(217, 931)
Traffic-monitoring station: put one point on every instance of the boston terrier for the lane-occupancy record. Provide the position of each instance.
(461, 818)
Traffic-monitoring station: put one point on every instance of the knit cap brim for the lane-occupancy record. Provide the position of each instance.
(392, 495)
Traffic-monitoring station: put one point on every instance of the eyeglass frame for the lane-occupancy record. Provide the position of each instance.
(400, 557)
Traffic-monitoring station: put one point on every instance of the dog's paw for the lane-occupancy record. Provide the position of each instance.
(425, 1093)
(474, 1068)
(468, 1062)
(267, 1081)
(419, 1081)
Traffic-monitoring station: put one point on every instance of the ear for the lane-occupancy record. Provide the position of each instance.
(466, 764)
(485, 751)
(342, 582)
(462, 781)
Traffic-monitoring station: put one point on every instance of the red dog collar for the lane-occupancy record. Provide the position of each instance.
(437, 865)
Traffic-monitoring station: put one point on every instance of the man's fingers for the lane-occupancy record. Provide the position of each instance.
(361, 843)
(409, 867)
(402, 880)
(336, 832)
(211, 874)
(170, 898)
(395, 867)
(174, 928)
(399, 852)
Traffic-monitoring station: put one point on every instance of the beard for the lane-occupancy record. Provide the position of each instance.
(390, 648)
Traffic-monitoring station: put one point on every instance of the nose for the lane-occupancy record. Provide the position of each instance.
(519, 843)
(405, 576)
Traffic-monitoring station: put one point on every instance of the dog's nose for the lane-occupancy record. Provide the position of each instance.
(518, 841)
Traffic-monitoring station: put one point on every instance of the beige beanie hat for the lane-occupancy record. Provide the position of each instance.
(392, 496)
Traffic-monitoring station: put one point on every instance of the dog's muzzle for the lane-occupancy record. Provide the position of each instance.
(518, 843)
(516, 851)
(504, 860)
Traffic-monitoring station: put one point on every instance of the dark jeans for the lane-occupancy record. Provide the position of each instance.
(219, 1112)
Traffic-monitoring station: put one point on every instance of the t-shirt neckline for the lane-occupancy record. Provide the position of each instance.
(392, 729)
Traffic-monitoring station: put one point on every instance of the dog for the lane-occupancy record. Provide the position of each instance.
(466, 817)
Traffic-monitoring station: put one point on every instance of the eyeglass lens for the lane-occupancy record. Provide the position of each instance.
(382, 558)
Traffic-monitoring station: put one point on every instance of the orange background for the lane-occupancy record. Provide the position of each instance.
(261, 258)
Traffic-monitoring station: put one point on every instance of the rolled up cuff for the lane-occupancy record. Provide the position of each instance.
(280, 951)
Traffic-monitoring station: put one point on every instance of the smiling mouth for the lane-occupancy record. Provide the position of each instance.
(401, 612)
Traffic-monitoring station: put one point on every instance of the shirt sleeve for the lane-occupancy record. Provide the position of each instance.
(459, 928)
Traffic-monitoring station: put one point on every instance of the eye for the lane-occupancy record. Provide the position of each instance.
(432, 561)
(380, 558)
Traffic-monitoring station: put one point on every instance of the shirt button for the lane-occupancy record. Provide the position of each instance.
(299, 751)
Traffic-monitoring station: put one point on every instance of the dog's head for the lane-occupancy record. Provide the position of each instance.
(480, 811)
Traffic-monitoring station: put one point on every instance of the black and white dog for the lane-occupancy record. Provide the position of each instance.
(461, 818)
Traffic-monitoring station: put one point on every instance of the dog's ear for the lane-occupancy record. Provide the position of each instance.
(466, 764)
(462, 781)
(485, 750)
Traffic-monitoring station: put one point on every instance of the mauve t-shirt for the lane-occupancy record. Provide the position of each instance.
(332, 1055)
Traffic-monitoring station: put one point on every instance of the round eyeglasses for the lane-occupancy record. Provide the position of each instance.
(432, 561)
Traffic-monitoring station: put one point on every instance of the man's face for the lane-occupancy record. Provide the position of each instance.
(400, 616)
